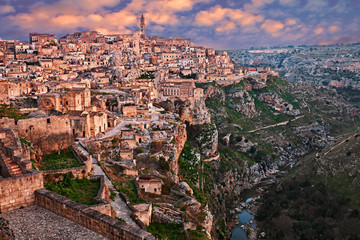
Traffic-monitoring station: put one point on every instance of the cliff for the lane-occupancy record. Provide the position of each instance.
(195, 112)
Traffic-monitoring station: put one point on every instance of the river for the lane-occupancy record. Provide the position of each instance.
(238, 233)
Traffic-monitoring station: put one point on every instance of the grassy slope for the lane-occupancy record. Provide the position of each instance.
(79, 190)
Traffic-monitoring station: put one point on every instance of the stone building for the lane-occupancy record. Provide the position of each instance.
(150, 184)
(180, 88)
(42, 130)
(40, 39)
(85, 124)
(76, 99)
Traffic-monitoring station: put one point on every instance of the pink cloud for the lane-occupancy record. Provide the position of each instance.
(216, 15)
(5, 9)
(273, 27)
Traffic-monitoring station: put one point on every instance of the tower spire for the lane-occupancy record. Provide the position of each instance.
(142, 25)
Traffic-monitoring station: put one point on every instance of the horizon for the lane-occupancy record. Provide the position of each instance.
(227, 25)
(250, 48)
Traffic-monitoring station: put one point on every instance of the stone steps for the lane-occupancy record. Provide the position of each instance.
(13, 167)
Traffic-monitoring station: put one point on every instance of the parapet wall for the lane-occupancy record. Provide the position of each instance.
(102, 198)
(18, 191)
(89, 218)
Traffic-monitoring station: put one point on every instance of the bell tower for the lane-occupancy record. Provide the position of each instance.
(142, 25)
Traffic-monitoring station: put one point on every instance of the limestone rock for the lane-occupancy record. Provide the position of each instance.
(186, 188)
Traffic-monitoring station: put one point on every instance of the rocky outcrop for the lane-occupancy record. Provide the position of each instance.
(185, 188)
(208, 222)
(207, 140)
(212, 91)
(195, 112)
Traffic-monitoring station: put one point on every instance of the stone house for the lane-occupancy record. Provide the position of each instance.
(86, 124)
(150, 184)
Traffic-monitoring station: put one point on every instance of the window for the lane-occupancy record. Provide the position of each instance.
(48, 120)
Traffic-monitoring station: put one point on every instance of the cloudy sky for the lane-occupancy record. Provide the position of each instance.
(222, 24)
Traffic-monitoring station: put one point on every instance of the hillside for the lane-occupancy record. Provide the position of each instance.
(261, 130)
(319, 198)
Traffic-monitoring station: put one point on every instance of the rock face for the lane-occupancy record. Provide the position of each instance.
(208, 222)
(195, 112)
(180, 139)
(212, 91)
(186, 188)
(207, 139)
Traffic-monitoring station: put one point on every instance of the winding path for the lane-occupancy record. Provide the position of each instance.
(275, 125)
(119, 206)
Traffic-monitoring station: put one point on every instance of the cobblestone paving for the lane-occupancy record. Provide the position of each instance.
(34, 222)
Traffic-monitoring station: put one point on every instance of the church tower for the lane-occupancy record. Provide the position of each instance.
(142, 25)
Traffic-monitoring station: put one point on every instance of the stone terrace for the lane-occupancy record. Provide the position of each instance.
(34, 222)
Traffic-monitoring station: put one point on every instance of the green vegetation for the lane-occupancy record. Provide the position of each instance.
(173, 231)
(166, 231)
(319, 199)
(189, 163)
(11, 112)
(25, 142)
(231, 116)
(129, 189)
(147, 75)
(269, 115)
(112, 195)
(299, 209)
(239, 148)
(79, 190)
(55, 161)
(190, 170)
(197, 235)
(120, 219)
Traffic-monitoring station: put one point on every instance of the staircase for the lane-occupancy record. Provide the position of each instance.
(12, 167)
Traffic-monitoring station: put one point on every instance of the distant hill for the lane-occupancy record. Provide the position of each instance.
(335, 65)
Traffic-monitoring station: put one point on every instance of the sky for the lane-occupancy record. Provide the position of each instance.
(221, 24)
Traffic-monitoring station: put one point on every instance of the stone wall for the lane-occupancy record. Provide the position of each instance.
(54, 176)
(48, 132)
(16, 192)
(89, 218)
(102, 198)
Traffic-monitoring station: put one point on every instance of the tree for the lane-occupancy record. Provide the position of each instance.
(60, 140)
